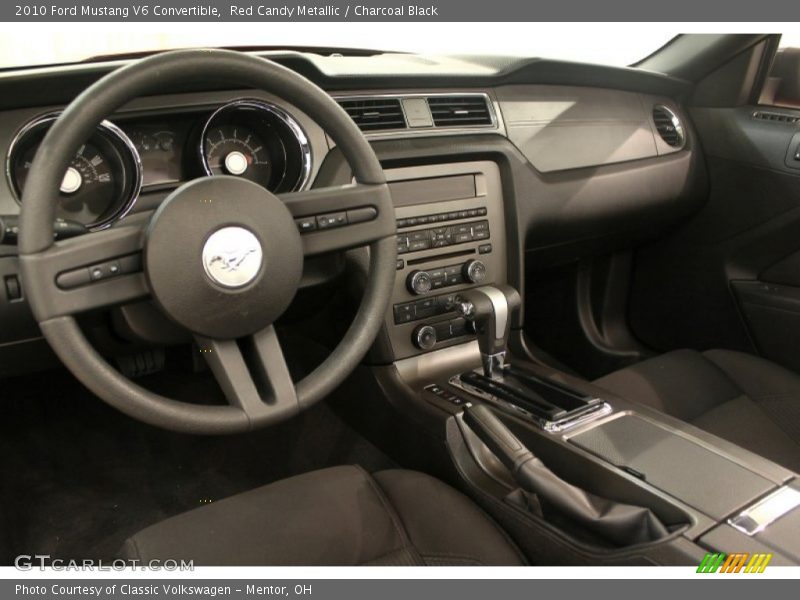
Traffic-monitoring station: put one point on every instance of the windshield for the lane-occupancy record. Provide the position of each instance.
(60, 43)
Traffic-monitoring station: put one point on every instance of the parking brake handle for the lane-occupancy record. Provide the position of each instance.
(622, 524)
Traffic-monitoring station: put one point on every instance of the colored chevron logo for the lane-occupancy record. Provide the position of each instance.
(740, 562)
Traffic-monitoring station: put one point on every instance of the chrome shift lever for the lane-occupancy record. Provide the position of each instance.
(490, 309)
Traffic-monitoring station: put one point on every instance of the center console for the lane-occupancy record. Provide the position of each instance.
(648, 481)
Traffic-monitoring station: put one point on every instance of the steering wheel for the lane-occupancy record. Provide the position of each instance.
(182, 258)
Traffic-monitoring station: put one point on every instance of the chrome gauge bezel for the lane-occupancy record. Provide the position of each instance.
(107, 128)
(291, 123)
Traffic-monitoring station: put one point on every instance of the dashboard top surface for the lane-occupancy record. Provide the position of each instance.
(43, 86)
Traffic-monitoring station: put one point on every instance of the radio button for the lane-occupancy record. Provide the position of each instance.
(443, 331)
(474, 271)
(420, 282)
(424, 337)
(426, 308)
(447, 303)
(404, 313)
(458, 327)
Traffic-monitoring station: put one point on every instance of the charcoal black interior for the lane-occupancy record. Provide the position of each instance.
(498, 311)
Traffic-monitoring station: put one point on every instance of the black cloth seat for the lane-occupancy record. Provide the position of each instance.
(336, 516)
(745, 399)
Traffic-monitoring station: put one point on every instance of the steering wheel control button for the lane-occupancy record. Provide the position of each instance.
(424, 337)
(361, 215)
(104, 270)
(306, 224)
(232, 257)
(339, 219)
(420, 282)
(124, 265)
(332, 220)
(223, 257)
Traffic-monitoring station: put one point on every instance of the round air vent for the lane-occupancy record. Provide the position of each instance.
(669, 126)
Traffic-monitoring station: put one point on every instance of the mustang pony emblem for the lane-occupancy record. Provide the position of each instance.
(232, 257)
(230, 260)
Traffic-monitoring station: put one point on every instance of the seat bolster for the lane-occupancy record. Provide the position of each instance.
(682, 383)
(444, 526)
(774, 389)
(335, 516)
(744, 423)
(758, 378)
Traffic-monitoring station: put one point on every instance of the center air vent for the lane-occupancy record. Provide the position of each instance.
(454, 111)
(375, 114)
(669, 127)
(765, 115)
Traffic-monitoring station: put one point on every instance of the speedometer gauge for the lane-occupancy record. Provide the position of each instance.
(256, 141)
(102, 181)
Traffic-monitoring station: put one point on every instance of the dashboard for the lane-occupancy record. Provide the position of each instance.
(490, 172)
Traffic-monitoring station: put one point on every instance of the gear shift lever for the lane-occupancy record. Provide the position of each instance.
(551, 404)
(491, 310)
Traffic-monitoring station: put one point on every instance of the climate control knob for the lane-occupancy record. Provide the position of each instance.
(474, 271)
(419, 282)
(424, 337)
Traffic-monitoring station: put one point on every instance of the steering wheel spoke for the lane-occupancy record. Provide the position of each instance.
(341, 217)
(253, 374)
(88, 272)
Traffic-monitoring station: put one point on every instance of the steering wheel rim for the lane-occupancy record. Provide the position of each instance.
(42, 259)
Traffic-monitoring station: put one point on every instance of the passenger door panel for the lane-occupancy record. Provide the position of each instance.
(730, 277)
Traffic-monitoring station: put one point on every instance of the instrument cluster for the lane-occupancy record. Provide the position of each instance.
(245, 138)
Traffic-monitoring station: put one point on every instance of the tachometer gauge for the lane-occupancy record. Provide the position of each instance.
(236, 150)
(257, 141)
(100, 185)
